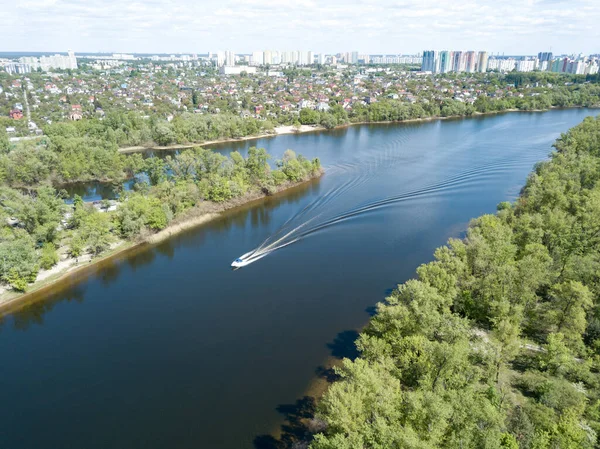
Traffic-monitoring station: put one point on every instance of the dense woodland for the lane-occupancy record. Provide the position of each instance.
(496, 344)
(87, 150)
(38, 225)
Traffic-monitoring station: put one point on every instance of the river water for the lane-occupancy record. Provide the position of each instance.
(168, 347)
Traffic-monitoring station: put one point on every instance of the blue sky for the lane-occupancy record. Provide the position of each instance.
(368, 26)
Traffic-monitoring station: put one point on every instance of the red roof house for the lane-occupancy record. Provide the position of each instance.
(15, 114)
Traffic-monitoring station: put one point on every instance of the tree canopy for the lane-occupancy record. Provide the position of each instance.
(35, 222)
(496, 344)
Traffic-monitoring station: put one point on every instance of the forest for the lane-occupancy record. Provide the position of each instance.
(496, 342)
(394, 110)
(38, 227)
(87, 150)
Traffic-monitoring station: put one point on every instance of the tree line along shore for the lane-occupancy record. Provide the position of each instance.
(87, 149)
(40, 232)
(301, 129)
(495, 343)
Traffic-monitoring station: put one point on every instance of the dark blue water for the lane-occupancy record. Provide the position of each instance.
(167, 347)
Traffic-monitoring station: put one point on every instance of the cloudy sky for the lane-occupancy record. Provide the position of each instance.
(368, 26)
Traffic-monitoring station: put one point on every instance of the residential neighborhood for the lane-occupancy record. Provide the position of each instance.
(278, 94)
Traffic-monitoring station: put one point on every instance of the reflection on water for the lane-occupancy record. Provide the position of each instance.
(188, 353)
(33, 312)
(257, 214)
(96, 190)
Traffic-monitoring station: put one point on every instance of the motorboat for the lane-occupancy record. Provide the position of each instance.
(244, 259)
(239, 263)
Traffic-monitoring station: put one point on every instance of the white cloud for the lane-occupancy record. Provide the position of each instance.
(375, 26)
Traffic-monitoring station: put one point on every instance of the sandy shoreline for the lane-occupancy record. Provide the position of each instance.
(68, 268)
(202, 215)
(277, 132)
(290, 129)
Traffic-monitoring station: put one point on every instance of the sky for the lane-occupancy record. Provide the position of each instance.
(512, 27)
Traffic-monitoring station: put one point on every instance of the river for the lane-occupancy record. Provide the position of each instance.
(168, 347)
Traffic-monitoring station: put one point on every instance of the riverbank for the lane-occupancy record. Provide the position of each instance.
(409, 324)
(280, 130)
(264, 331)
(298, 429)
(71, 269)
(290, 129)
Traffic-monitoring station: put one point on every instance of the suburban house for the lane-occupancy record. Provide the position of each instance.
(76, 113)
(15, 114)
(323, 107)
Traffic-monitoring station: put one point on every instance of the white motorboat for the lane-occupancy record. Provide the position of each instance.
(239, 263)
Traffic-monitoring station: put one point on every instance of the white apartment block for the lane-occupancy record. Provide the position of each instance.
(46, 63)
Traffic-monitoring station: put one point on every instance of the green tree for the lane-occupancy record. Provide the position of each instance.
(18, 262)
(155, 169)
(257, 164)
(309, 117)
(449, 344)
(95, 232)
(569, 302)
(163, 134)
(4, 143)
(48, 256)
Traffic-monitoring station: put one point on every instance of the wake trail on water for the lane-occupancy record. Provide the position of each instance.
(301, 225)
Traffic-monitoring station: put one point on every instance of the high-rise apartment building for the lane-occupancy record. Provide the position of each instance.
(229, 58)
(458, 63)
(16, 67)
(276, 57)
(430, 61)
(545, 60)
(545, 56)
(526, 65)
(301, 58)
(502, 64)
(46, 63)
(220, 58)
(72, 60)
(445, 64)
(470, 61)
(394, 59)
(482, 61)
(453, 61)
(267, 57)
(257, 58)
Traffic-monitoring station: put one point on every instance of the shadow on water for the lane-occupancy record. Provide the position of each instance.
(299, 418)
(328, 374)
(343, 346)
(30, 309)
(298, 427)
(371, 310)
(33, 314)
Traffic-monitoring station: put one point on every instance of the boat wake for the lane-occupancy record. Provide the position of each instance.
(317, 216)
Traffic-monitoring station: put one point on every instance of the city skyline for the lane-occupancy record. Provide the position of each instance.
(382, 27)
